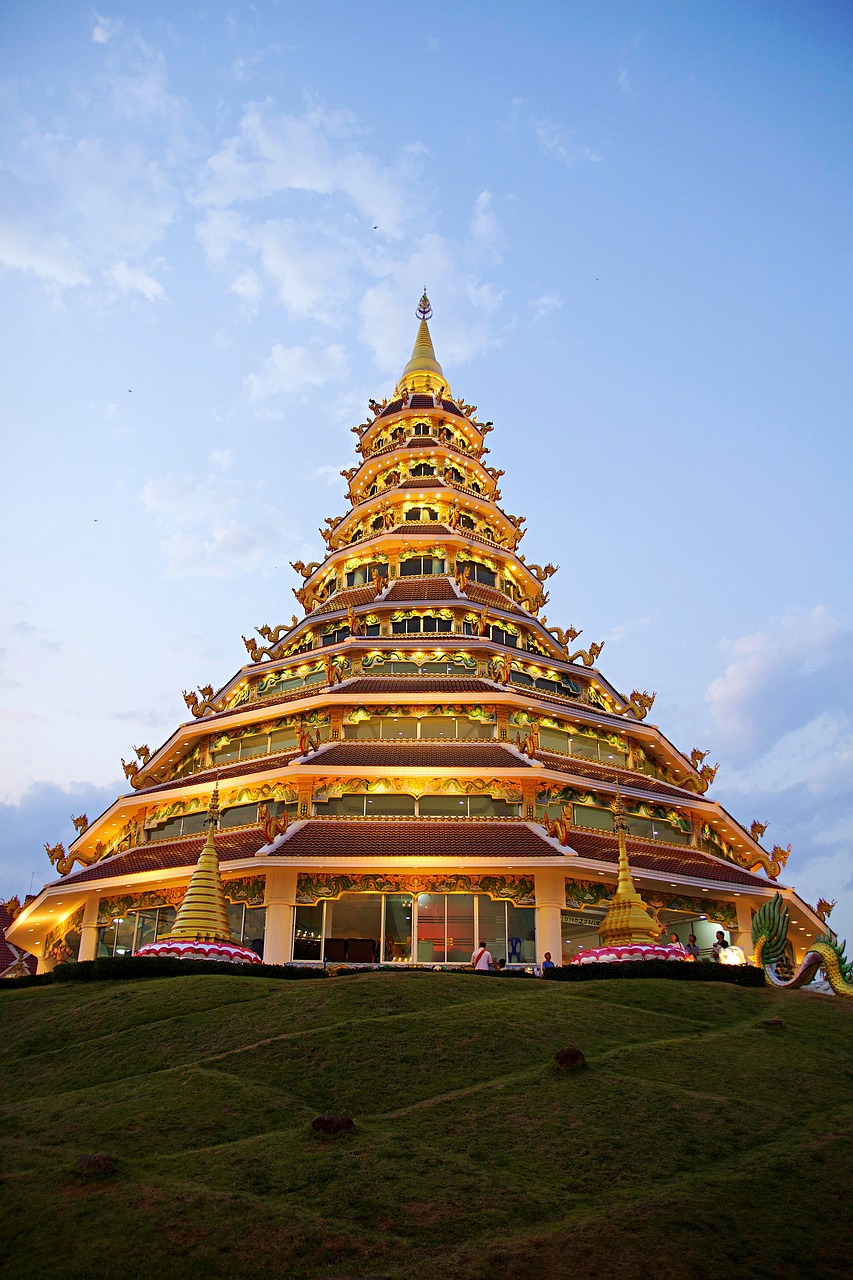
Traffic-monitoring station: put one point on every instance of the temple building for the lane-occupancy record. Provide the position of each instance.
(418, 760)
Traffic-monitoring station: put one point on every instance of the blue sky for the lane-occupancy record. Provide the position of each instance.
(633, 220)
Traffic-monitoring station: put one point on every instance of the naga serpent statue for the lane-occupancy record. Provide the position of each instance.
(769, 935)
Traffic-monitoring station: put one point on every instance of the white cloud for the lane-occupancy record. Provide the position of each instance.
(316, 152)
(134, 280)
(104, 29)
(485, 228)
(776, 674)
(291, 369)
(223, 458)
(545, 305)
(552, 141)
(50, 256)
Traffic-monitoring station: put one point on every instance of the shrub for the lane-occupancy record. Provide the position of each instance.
(741, 975)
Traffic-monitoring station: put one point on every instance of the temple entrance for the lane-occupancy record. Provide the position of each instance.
(379, 928)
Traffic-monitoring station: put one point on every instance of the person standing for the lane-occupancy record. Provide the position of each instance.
(720, 944)
(481, 960)
(548, 963)
(693, 947)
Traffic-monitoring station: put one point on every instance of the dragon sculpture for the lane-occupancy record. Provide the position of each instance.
(305, 569)
(64, 861)
(334, 672)
(528, 743)
(757, 829)
(81, 823)
(270, 825)
(563, 638)
(200, 706)
(502, 668)
(824, 908)
(559, 829)
(588, 656)
(772, 864)
(640, 703)
(769, 936)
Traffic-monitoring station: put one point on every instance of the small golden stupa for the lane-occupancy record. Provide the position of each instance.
(201, 930)
(628, 920)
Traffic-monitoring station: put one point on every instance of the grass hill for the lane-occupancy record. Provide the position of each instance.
(699, 1142)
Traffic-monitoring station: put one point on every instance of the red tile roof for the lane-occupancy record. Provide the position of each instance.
(489, 596)
(423, 482)
(225, 771)
(349, 596)
(435, 588)
(411, 753)
(407, 837)
(165, 855)
(426, 527)
(417, 684)
(570, 764)
(663, 858)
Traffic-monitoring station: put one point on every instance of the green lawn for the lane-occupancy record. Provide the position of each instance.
(699, 1143)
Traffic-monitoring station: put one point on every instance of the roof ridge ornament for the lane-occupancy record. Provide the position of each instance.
(424, 310)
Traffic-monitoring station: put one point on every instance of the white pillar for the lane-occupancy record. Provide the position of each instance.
(45, 964)
(742, 937)
(88, 949)
(550, 903)
(280, 901)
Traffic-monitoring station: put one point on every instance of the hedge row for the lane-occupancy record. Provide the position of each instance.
(117, 967)
(741, 975)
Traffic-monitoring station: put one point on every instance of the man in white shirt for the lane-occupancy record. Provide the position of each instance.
(481, 959)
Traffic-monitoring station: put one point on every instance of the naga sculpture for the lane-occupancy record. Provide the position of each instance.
(543, 574)
(65, 861)
(697, 757)
(772, 864)
(199, 706)
(270, 825)
(707, 773)
(256, 651)
(502, 668)
(133, 772)
(13, 907)
(308, 742)
(334, 673)
(824, 908)
(640, 703)
(589, 656)
(305, 569)
(758, 828)
(275, 634)
(563, 638)
(769, 936)
(81, 822)
(143, 753)
(559, 829)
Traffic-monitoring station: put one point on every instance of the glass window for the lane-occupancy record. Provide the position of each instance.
(283, 740)
(240, 815)
(256, 744)
(443, 806)
(146, 927)
(353, 928)
(365, 730)
(227, 753)
(165, 920)
(399, 727)
(308, 932)
(521, 934)
(438, 727)
(398, 927)
(553, 740)
(235, 919)
(342, 807)
(584, 815)
(254, 929)
(386, 806)
(491, 926)
(431, 928)
(460, 927)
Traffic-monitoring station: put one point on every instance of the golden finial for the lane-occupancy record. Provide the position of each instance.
(424, 310)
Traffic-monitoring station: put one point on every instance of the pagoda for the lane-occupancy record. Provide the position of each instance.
(418, 760)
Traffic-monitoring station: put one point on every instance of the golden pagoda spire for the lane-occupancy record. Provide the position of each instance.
(203, 915)
(628, 919)
(423, 372)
